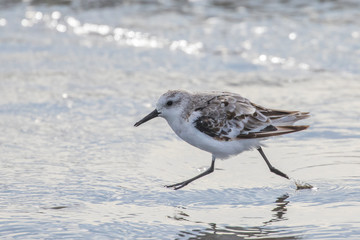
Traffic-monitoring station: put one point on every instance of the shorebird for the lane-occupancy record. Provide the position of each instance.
(223, 124)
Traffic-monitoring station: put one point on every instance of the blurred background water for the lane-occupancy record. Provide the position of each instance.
(76, 75)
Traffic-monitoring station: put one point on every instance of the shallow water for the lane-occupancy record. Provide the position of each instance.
(76, 75)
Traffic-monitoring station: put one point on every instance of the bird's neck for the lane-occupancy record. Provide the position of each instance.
(177, 124)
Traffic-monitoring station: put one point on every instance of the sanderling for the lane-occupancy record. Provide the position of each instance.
(223, 124)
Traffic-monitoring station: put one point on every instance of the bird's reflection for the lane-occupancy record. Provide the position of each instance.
(213, 231)
(279, 210)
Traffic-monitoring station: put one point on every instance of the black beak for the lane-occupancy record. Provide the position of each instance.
(150, 116)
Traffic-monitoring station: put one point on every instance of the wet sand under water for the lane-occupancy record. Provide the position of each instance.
(76, 76)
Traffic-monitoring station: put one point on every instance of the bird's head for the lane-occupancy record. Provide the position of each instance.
(171, 105)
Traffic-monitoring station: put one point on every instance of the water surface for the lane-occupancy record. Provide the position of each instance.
(76, 75)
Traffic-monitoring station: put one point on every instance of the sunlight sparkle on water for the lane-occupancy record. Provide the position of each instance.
(61, 28)
(292, 36)
(3, 22)
(56, 15)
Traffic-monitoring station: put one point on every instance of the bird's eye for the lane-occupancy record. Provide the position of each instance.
(169, 103)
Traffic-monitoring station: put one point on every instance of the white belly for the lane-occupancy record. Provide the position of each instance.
(220, 149)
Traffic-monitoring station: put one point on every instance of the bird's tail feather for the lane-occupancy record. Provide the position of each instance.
(279, 130)
(288, 119)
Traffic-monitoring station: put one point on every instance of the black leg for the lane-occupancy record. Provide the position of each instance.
(179, 185)
(272, 169)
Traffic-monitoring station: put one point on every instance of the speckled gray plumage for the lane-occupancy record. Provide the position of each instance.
(228, 116)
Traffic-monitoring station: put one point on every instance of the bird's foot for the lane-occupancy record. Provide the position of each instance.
(278, 172)
(179, 185)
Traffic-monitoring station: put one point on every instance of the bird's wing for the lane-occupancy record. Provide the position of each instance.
(226, 116)
(229, 117)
